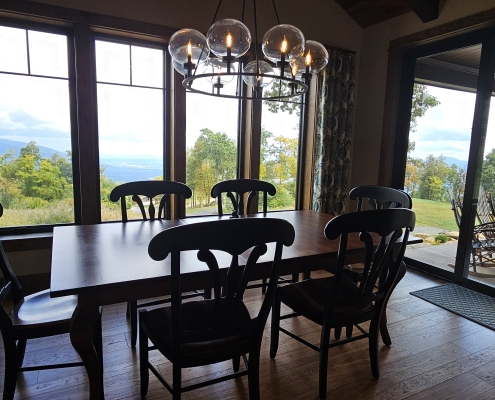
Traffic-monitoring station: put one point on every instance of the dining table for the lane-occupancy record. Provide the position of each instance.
(108, 263)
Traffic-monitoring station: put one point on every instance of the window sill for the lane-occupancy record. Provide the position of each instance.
(30, 241)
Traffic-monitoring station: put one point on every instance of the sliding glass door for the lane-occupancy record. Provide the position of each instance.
(449, 165)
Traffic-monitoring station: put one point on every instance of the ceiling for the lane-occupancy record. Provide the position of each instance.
(371, 12)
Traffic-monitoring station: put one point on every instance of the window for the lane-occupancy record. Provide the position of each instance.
(130, 95)
(36, 175)
(279, 149)
(212, 145)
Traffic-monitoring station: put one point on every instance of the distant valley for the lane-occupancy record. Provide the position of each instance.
(117, 169)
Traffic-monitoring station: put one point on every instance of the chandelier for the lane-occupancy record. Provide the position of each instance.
(290, 59)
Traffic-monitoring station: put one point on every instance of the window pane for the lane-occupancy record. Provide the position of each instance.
(211, 140)
(112, 62)
(13, 50)
(35, 151)
(147, 67)
(48, 54)
(130, 131)
(279, 147)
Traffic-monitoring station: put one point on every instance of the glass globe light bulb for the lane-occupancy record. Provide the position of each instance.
(188, 45)
(283, 39)
(219, 67)
(262, 68)
(315, 57)
(228, 35)
(318, 56)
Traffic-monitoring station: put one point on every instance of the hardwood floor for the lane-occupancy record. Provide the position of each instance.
(435, 355)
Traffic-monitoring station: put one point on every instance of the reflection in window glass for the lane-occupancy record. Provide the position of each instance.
(147, 67)
(211, 141)
(13, 50)
(112, 62)
(279, 147)
(48, 54)
(36, 184)
(130, 123)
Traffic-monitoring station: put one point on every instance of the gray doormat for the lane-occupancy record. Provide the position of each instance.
(472, 305)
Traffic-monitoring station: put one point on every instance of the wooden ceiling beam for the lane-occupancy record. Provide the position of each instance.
(426, 10)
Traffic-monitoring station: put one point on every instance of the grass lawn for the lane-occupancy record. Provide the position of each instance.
(434, 213)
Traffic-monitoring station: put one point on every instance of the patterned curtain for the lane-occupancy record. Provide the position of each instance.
(333, 136)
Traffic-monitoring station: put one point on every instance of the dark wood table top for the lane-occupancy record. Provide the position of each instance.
(111, 260)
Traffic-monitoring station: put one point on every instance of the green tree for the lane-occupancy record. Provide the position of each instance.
(488, 172)
(431, 186)
(422, 101)
(212, 159)
(282, 88)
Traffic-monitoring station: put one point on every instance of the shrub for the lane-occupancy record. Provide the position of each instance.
(441, 238)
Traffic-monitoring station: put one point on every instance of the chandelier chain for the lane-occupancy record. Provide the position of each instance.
(276, 13)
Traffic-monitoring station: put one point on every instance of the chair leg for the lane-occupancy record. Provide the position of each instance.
(10, 378)
(348, 331)
(263, 287)
(322, 385)
(254, 374)
(373, 349)
(128, 310)
(143, 359)
(338, 332)
(176, 379)
(21, 350)
(133, 317)
(236, 364)
(275, 328)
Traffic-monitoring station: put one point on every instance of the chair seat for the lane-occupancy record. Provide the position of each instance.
(40, 309)
(204, 345)
(309, 298)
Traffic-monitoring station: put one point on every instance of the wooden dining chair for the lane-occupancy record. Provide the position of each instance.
(30, 317)
(377, 198)
(208, 331)
(149, 190)
(236, 190)
(337, 301)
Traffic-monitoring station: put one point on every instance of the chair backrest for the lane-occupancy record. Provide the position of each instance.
(233, 238)
(239, 187)
(149, 189)
(484, 208)
(389, 228)
(380, 197)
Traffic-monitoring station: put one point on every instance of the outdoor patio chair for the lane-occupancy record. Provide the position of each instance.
(483, 241)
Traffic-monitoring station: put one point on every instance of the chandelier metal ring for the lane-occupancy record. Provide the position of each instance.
(299, 86)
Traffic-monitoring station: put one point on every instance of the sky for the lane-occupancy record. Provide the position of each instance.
(446, 129)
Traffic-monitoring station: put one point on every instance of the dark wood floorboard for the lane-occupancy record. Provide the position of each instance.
(435, 355)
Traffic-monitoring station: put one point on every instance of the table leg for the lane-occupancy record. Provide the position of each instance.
(85, 336)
